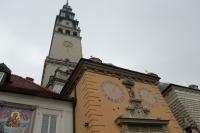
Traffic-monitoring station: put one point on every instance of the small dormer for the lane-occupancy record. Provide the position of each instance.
(5, 73)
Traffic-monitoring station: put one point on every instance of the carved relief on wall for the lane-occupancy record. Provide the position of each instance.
(135, 107)
(138, 120)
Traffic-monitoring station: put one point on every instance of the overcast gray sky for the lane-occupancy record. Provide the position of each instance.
(160, 36)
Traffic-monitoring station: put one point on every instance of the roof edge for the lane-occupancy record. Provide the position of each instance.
(105, 69)
(60, 97)
(181, 86)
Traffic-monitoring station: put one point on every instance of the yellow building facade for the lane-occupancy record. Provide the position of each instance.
(116, 100)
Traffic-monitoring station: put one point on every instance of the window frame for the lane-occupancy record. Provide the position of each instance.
(49, 122)
(53, 112)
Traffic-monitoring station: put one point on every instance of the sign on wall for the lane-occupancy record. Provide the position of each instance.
(14, 120)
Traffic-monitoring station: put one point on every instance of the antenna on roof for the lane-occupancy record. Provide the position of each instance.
(146, 71)
(67, 2)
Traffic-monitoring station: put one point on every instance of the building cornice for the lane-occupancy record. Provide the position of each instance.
(105, 69)
(135, 121)
(60, 62)
(57, 61)
(171, 86)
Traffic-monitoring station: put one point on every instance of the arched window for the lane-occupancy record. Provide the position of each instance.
(67, 32)
(75, 34)
(60, 30)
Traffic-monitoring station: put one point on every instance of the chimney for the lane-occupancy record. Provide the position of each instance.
(29, 79)
(95, 59)
(193, 86)
(152, 74)
(5, 73)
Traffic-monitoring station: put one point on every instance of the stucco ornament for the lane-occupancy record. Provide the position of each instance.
(129, 84)
(135, 108)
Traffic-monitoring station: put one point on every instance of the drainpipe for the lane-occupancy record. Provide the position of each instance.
(74, 118)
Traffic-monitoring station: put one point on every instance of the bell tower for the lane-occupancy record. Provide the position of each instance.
(65, 50)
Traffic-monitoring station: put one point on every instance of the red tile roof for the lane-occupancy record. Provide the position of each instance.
(20, 85)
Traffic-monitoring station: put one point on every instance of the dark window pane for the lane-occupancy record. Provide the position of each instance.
(67, 32)
(75, 34)
(45, 124)
(60, 30)
(53, 124)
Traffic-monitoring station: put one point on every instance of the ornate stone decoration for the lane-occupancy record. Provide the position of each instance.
(138, 120)
(129, 84)
(135, 125)
(135, 107)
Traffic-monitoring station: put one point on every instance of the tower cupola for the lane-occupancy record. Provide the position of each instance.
(67, 14)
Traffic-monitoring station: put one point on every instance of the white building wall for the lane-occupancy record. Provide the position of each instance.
(62, 109)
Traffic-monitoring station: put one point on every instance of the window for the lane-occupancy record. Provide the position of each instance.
(57, 88)
(49, 123)
(60, 30)
(1, 76)
(74, 33)
(71, 16)
(145, 129)
(62, 14)
(67, 32)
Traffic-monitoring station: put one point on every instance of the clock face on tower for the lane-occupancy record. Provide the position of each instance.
(112, 91)
(148, 97)
(67, 44)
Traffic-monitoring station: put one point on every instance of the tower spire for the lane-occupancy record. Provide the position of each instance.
(67, 2)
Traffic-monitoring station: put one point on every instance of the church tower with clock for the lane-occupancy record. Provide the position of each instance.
(65, 50)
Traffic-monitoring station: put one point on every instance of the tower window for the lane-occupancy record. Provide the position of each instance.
(67, 32)
(75, 34)
(62, 14)
(60, 30)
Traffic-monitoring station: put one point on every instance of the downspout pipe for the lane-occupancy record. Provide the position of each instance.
(74, 117)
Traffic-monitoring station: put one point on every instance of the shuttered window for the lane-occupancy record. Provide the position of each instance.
(49, 124)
